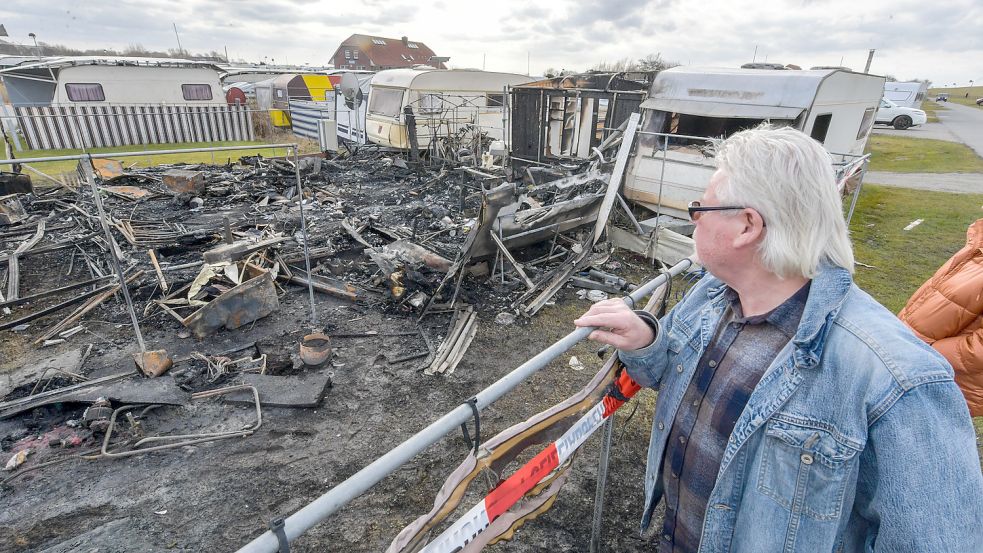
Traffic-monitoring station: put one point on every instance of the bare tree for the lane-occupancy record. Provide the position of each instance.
(655, 62)
(651, 62)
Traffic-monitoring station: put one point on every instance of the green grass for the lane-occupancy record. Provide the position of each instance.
(921, 155)
(958, 95)
(931, 110)
(906, 259)
(55, 168)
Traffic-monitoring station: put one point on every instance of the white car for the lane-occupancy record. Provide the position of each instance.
(899, 117)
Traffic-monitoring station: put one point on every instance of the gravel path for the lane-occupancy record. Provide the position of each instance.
(937, 182)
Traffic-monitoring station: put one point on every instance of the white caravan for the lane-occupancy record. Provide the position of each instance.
(690, 107)
(907, 95)
(444, 102)
(93, 81)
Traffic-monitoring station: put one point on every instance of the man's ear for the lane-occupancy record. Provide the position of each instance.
(752, 229)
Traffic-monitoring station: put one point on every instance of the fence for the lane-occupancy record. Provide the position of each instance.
(78, 127)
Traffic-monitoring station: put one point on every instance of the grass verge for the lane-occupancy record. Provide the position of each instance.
(931, 110)
(964, 95)
(903, 260)
(901, 154)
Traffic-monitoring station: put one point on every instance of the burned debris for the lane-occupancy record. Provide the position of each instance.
(286, 253)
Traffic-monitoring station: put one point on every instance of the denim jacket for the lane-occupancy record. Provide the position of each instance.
(855, 439)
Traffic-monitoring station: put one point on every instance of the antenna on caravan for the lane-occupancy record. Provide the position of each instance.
(352, 92)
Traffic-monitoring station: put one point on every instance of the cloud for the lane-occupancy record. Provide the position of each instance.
(943, 42)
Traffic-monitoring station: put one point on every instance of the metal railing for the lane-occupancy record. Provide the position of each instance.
(339, 496)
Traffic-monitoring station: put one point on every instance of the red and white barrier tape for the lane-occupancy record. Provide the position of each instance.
(509, 492)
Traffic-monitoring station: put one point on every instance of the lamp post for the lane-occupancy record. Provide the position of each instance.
(34, 37)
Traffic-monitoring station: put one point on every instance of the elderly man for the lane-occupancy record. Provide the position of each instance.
(794, 412)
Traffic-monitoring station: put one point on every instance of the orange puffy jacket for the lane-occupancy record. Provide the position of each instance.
(947, 312)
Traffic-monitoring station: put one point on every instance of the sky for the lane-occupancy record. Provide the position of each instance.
(914, 39)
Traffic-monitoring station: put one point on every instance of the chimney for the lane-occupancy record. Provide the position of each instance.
(405, 41)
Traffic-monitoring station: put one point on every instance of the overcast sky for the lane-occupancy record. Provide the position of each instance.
(941, 41)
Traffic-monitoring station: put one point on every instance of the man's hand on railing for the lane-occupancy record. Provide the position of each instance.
(617, 325)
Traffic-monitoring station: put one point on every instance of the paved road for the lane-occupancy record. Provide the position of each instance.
(937, 182)
(935, 131)
(957, 123)
(965, 123)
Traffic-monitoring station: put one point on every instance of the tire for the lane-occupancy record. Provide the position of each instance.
(902, 122)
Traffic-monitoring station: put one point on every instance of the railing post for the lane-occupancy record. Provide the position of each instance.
(602, 478)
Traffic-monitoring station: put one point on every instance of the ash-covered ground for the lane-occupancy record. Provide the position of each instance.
(218, 495)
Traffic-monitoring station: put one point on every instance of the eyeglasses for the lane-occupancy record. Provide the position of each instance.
(696, 210)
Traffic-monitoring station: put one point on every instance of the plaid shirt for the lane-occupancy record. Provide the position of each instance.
(741, 349)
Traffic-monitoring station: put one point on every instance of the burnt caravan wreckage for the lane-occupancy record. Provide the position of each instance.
(688, 108)
(565, 118)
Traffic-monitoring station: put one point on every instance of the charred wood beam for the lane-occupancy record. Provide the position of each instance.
(13, 265)
(54, 308)
(21, 404)
(323, 285)
(83, 309)
(52, 248)
(39, 295)
(411, 132)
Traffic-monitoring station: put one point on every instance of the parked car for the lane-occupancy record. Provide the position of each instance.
(899, 117)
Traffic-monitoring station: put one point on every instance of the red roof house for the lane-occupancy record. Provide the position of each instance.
(375, 53)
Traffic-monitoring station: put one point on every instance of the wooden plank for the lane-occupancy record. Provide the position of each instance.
(160, 274)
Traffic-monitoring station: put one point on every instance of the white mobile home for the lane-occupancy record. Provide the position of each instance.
(689, 107)
(92, 81)
(85, 102)
(909, 95)
(443, 102)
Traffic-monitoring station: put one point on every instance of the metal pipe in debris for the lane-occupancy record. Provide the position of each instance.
(111, 242)
(339, 496)
(303, 224)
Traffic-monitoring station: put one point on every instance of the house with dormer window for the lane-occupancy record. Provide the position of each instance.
(376, 53)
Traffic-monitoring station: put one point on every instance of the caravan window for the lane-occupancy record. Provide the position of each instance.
(820, 127)
(495, 100)
(866, 123)
(386, 102)
(431, 104)
(85, 92)
(196, 91)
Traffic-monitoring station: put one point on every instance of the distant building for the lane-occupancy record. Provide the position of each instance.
(376, 53)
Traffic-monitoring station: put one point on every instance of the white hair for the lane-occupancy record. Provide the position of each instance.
(788, 178)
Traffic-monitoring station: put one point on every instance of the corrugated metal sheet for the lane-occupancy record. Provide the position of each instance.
(58, 127)
(304, 115)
